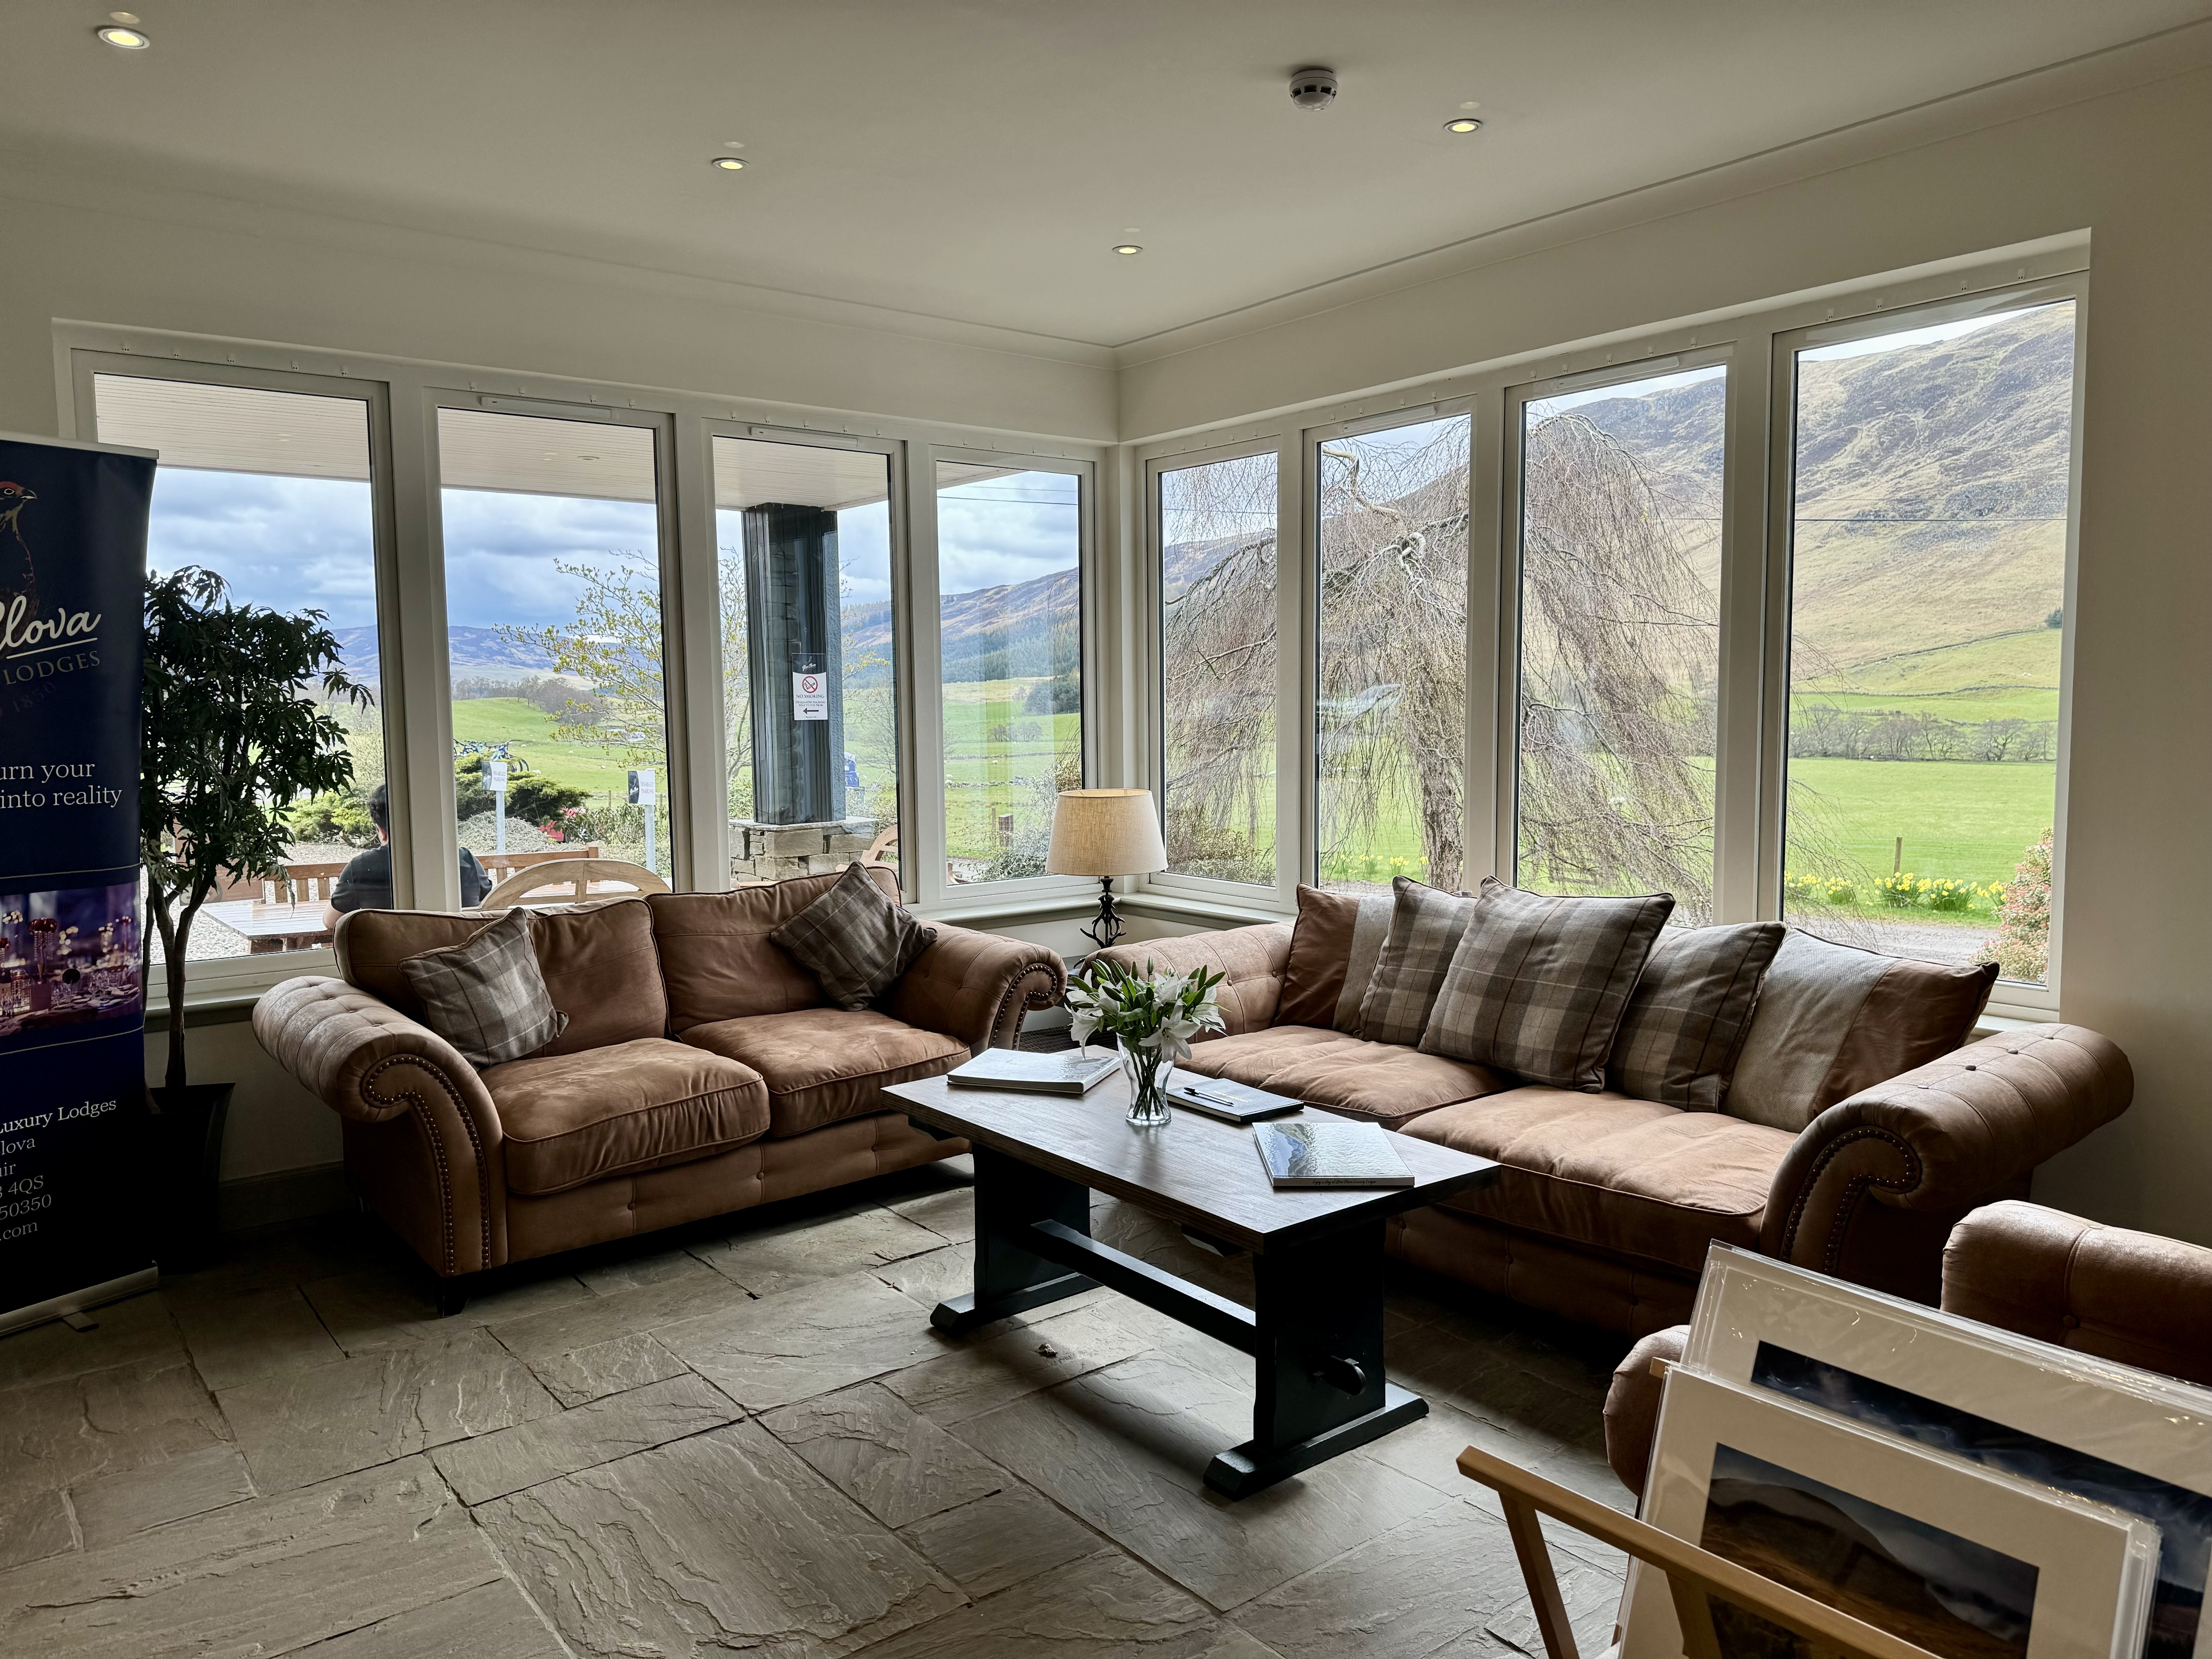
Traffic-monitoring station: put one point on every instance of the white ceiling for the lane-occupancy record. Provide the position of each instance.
(975, 159)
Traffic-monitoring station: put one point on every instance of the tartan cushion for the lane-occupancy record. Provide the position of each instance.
(487, 995)
(855, 939)
(1538, 983)
(1425, 924)
(1686, 1024)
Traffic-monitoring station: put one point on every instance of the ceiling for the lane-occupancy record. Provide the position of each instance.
(977, 161)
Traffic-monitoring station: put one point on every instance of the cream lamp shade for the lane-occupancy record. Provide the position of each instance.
(1105, 832)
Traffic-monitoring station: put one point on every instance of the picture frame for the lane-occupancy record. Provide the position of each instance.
(2104, 1430)
(1963, 1561)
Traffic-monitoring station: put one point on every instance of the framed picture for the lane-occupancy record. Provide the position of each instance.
(1955, 1558)
(2104, 1432)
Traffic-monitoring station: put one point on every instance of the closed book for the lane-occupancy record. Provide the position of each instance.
(1233, 1102)
(1070, 1072)
(1329, 1153)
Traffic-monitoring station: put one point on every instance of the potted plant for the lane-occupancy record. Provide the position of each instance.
(230, 743)
(1152, 1017)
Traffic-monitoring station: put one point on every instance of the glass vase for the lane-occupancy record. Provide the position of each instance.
(1148, 1071)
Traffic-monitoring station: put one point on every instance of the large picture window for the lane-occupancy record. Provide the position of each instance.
(1010, 633)
(1390, 710)
(1218, 568)
(1620, 637)
(554, 636)
(1927, 523)
(269, 490)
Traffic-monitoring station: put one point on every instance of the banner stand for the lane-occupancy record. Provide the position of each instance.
(92, 1296)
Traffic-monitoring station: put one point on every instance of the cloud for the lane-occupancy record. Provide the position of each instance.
(289, 544)
(502, 551)
(1000, 530)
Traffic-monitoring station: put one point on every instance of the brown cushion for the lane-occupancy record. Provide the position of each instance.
(598, 961)
(1333, 951)
(824, 1064)
(1384, 1081)
(568, 1119)
(1630, 1176)
(1833, 1019)
(717, 957)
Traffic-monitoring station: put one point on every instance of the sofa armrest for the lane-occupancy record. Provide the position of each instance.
(975, 986)
(1934, 1140)
(405, 1092)
(1632, 1403)
(1252, 961)
(2135, 1297)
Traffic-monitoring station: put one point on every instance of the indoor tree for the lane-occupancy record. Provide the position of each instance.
(231, 742)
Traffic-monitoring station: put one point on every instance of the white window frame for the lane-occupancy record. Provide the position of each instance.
(1291, 676)
(1029, 895)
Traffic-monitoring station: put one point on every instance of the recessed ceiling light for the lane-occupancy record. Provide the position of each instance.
(727, 164)
(1464, 124)
(129, 40)
(1126, 248)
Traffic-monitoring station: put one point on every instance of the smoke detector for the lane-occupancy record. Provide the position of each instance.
(1313, 89)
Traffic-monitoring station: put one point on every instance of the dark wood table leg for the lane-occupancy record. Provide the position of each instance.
(1009, 1278)
(1318, 1309)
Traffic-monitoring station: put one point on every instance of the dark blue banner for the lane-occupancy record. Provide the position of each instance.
(72, 1008)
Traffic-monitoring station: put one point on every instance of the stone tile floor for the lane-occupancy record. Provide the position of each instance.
(744, 1435)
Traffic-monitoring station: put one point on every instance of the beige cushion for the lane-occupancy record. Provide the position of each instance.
(568, 1119)
(717, 957)
(822, 1065)
(598, 961)
(1833, 1019)
(1629, 1176)
(1384, 1081)
(855, 939)
(487, 997)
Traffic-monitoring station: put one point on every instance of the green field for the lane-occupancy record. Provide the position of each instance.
(586, 766)
(1962, 820)
(983, 779)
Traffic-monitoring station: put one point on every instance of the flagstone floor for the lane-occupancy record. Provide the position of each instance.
(746, 1435)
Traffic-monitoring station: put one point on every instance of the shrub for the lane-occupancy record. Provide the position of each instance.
(2022, 946)
(336, 814)
(1898, 891)
(1948, 895)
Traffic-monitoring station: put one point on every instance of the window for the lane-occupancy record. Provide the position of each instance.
(1218, 573)
(554, 636)
(1928, 526)
(1390, 699)
(1619, 610)
(1009, 630)
(270, 490)
(810, 727)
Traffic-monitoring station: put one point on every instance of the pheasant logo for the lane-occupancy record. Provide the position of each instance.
(19, 576)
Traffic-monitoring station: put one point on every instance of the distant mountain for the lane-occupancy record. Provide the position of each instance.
(466, 647)
(1016, 631)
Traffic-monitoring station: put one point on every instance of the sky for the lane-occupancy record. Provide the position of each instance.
(999, 530)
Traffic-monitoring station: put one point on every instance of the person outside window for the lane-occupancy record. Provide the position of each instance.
(366, 883)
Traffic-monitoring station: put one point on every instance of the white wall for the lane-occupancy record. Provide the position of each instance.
(2133, 167)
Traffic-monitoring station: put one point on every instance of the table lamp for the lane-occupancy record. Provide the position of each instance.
(1105, 833)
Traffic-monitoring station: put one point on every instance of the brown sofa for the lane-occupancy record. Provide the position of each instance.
(701, 1070)
(2135, 1297)
(1607, 1204)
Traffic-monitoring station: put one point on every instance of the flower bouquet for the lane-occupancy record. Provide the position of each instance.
(1154, 1016)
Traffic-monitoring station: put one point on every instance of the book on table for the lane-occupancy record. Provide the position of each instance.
(1070, 1072)
(1329, 1153)
(1233, 1102)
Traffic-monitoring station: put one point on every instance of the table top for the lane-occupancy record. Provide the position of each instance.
(1197, 1170)
(258, 919)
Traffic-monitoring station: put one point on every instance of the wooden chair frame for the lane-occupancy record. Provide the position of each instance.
(577, 875)
(1695, 1576)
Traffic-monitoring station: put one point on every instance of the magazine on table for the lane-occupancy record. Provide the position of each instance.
(1233, 1102)
(1069, 1072)
(1330, 1151)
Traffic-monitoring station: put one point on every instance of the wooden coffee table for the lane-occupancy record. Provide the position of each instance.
(1315, 1327)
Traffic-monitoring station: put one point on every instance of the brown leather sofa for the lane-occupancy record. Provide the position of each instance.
(701, 1070)
(2135, 1297)
(1607, 1204)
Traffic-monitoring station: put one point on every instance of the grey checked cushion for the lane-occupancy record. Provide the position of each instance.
(1538, 983)
(1425, 924)
(486, 995)
(854, 939)
(1685, 1023)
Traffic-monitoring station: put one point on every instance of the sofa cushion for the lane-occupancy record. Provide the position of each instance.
(1686, 1024)
(822, 1065)
(1622, 1175)
(598, 961)
(1332, 952)
(855, 939)
(1426, 925)
(717, 957)
(1384, 1081)
(568, 1119)
(1539, 982)
(487, 997)
(1833, 1019)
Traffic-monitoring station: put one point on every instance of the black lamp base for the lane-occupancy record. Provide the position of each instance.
(1106, 928)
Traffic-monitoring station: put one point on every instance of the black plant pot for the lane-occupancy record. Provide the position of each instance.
(186, 1156)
